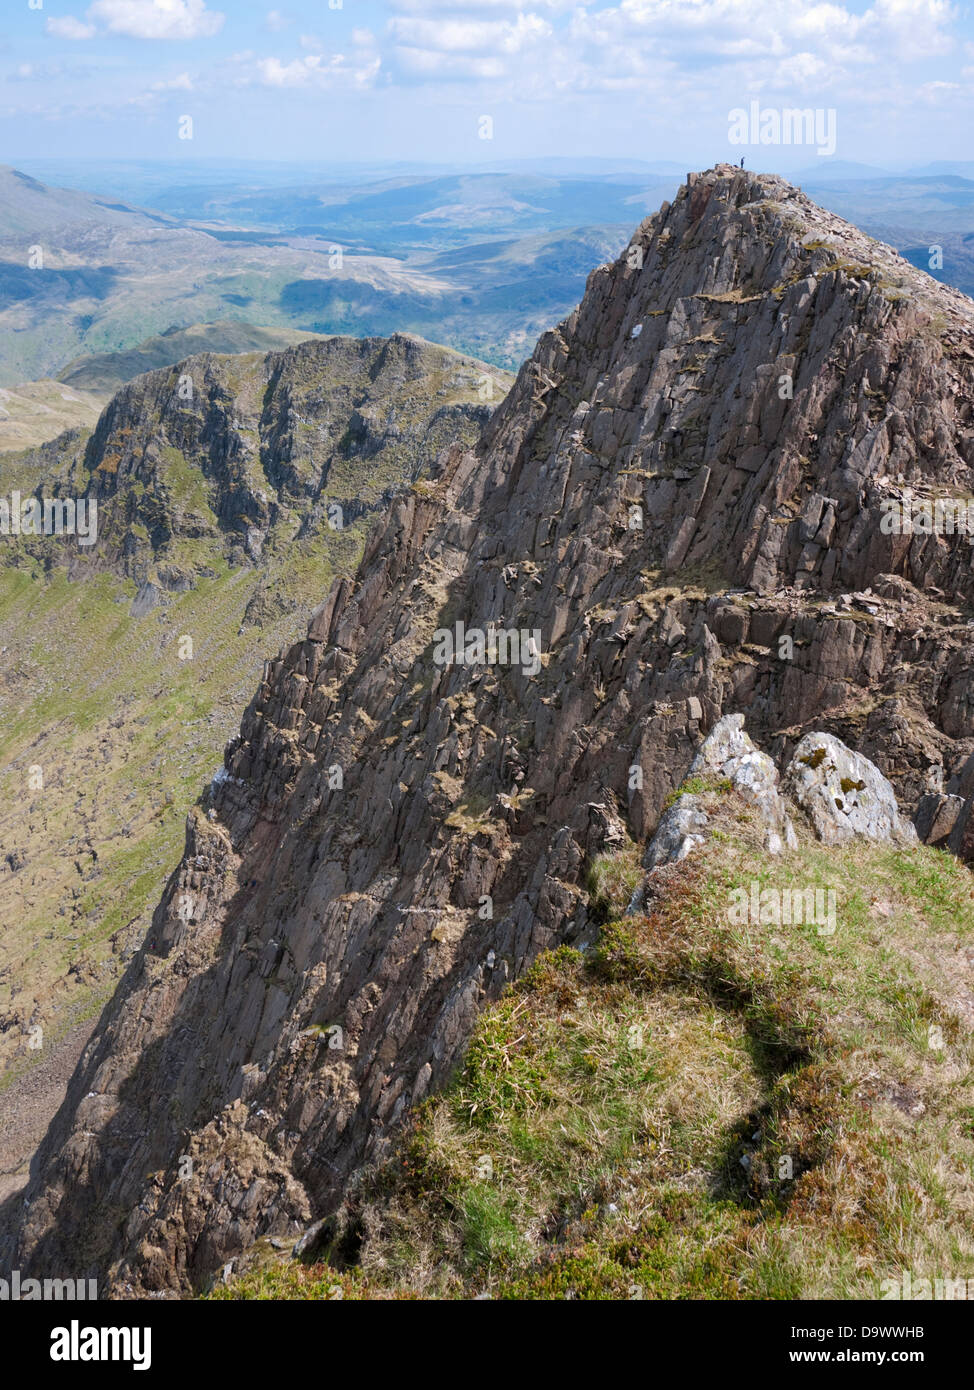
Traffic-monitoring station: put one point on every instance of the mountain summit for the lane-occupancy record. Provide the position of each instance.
(679, 513)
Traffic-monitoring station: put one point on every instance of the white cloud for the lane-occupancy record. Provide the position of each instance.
(807, 45)
(683, 61)
(936, 92)
(182, 83)
(67, 27)
(424, 64)
(314, 43)
(491, 8)
(274, 73)
(801, 70)
(685, 57)
(479, 37)
(314, 70)
(157, 19)
(911, 28)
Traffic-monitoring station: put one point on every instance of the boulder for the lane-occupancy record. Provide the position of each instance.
(962, 783)
(961, 840)
(726, 752)
(679, 831)
(843, 794)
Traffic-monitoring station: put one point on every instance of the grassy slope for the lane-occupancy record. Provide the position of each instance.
(592, 1145)
(126, 736)
(36, 411)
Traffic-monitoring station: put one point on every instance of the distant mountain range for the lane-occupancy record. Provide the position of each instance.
(84, 274)
(80, 274)
(482, 259)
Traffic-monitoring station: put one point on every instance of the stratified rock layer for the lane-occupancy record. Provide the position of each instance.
(689, 517)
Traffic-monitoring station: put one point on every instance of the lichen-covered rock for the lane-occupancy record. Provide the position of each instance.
(843, 794)
(728, 752)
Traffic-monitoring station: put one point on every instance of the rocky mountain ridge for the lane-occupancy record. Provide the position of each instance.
(233, 451)
(35, 413)
(225, 509)
(682, 499)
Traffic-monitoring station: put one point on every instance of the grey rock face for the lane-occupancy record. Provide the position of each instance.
(680, 829)
(961, 840)
(843, 794)
(936, 816)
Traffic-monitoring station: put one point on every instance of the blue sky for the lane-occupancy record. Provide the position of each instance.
(412, 79)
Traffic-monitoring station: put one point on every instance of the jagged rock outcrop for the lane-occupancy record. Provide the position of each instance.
(226, 456)
(947, 818)
(682, 827)
(684, 521)
(728, 752)
(961, 838)
(937, 814)
(843, 794)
